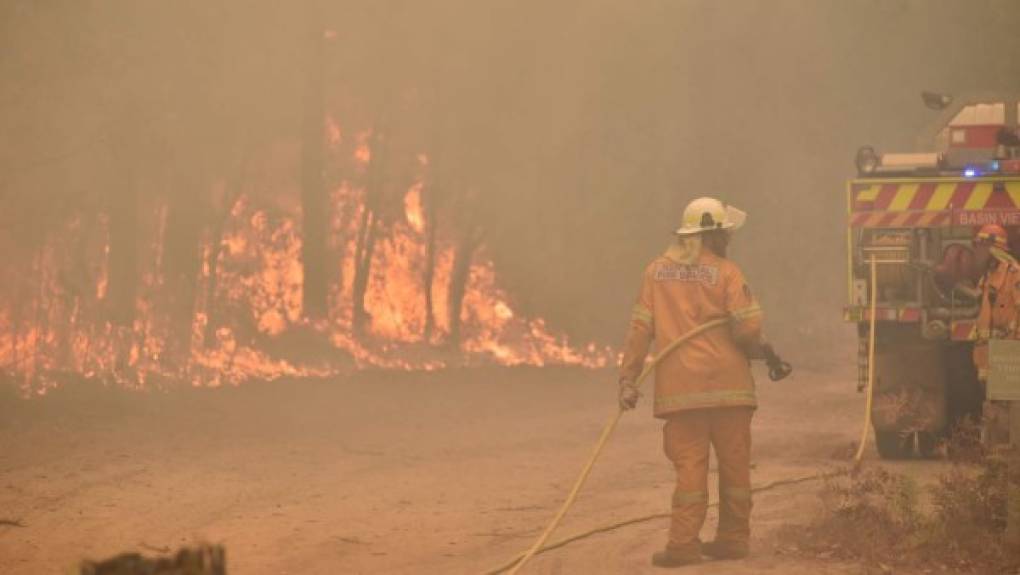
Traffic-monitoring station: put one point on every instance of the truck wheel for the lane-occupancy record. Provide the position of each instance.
(927, 443)
(894, 444)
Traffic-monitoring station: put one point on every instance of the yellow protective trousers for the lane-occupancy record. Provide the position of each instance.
(686, 439)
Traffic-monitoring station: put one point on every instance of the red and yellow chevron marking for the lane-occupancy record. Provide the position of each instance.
(932, 203)
(963, 330)
(900, 220)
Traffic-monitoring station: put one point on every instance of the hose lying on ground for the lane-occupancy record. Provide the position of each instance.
(516, 564)
(539, 546)
(633, 521)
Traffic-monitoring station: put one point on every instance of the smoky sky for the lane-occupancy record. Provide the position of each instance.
(582, 128)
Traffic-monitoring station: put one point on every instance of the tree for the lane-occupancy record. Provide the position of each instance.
(314, 202)
(122, 208)
(368, 230)
(471, 235)
(430, 193)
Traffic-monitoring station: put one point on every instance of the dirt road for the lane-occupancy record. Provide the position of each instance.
(448, 472)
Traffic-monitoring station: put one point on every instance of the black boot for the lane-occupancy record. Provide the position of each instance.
(726, 549)
(678, 556)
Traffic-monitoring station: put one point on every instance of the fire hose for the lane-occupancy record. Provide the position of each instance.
(778, 369)
(871, 363)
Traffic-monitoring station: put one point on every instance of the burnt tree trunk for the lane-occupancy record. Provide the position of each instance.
(429, 198)
(212, 282)
(182, 261)
(314, 202)
(123, 254)
(216, 226)
(199, 560)
(77, 286)
(363, 268)
(459, 277)
(367, 233)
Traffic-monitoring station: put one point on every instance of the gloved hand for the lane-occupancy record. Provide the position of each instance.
(629, 394)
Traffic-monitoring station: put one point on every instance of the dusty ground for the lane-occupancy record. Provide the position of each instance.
(449, 472)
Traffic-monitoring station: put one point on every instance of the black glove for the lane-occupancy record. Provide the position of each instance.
(778, 369)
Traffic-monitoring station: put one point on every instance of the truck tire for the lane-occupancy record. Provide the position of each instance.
(964, 394)
(909, 395)
(894, 444)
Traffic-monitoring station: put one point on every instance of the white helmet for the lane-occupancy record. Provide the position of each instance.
(707, 214)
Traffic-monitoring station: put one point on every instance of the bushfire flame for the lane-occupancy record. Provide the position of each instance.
(248, 323)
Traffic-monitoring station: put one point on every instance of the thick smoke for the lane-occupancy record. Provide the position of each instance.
(573, 132)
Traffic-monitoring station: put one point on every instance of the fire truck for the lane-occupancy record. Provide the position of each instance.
(911, 220)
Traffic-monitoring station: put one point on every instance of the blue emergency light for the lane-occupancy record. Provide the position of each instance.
(973, 171)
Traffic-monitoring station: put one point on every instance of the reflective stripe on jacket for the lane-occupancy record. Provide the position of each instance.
(711, 370)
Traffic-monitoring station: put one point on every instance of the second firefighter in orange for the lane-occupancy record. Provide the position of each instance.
(999, 317)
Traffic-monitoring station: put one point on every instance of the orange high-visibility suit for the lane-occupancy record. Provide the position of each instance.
(999, 317)
(704, 389)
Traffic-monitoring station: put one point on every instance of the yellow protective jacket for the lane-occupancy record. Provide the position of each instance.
(999, 317)
(711, 370)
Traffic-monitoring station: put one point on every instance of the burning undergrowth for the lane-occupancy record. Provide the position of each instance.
(404, 293)
(890, 523)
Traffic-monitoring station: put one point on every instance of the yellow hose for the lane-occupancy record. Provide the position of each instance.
(606, 432)
(871, 362)
(635, 520)
(518, 562)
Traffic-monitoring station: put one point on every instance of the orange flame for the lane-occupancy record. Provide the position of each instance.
(362, 151)
(248, 318)
(413, 210)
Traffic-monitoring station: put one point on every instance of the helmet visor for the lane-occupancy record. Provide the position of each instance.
(735, 218)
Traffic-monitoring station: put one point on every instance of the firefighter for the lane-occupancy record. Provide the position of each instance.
(1000, 292)
(998, 318)
(704, 391)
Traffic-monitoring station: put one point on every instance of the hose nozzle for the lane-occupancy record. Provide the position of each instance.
(778, 368)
